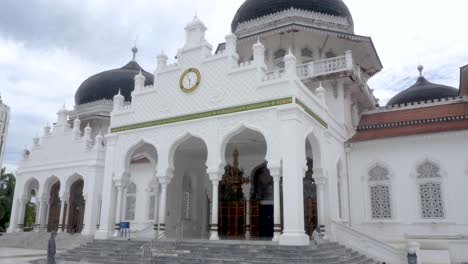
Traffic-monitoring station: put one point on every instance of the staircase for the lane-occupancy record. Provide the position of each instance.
(204, 252)
(39, 240)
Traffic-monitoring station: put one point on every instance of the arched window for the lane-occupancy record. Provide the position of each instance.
(380, 193)
(130, 201)
(430, 190)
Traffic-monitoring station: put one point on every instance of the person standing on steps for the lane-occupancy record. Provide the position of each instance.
(51, 249)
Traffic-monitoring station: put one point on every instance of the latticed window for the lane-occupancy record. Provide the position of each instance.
(187, 205)
(380, 193)
(431, 200)
(380, 202)
(130, 201)
(152, 204)
(430, 190)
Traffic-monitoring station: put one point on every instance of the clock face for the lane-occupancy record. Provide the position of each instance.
(190, 80)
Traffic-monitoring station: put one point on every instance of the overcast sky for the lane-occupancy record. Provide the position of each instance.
(49, 47)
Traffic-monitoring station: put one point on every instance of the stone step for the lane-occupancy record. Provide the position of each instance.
(187, 252)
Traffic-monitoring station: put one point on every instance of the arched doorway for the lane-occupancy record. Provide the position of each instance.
(246, 189)
(29, 219)
(310, 193)
(187, 199)
(54, 208)
(261, 203)
(76, 207)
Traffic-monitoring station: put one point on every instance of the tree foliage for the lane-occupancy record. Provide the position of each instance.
(7, 189)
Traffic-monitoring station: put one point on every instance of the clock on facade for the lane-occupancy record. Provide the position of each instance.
(190, 80)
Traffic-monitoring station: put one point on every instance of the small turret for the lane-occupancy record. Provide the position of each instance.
(118, 101)
(99, 142)
(290, 62)
(259, 54)
(76, 129)
(87, 137)
(47, 130)
(62, 116)
(36, 141)
(139, 82)
(162, 61)
(321, 94)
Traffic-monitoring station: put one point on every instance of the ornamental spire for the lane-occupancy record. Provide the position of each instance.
(134, 51)
(420, 69)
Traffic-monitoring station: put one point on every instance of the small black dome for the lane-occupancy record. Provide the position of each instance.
(106, 85)
(423, 90)
(252, 9)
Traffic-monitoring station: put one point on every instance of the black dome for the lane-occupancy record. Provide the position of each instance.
(252, 9)
(106, 85)
(423, 90)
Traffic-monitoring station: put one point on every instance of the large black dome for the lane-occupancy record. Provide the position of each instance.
(252, 9)
(423, 90)
(106, 85)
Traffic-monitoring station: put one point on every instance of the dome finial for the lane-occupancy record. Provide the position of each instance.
(420, 69)
(134, 51)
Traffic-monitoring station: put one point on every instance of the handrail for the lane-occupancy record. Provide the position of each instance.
(160, 242)
(367, 245)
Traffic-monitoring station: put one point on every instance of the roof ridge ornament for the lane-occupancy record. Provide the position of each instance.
(134, 51)
(420, 69)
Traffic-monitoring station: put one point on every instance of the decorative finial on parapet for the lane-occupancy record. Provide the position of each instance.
(420, 69)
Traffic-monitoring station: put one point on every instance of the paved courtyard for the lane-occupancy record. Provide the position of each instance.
(20, 255)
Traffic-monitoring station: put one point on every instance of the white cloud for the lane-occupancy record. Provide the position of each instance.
(56, 45)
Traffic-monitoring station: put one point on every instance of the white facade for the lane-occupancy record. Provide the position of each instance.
(165, 152)
(4, 120)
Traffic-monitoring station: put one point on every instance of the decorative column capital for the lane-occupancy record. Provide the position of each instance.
(215, 175)
(121, 183)
(164, 181)
(321, 181)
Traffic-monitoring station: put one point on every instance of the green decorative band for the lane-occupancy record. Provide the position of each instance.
(312, 114)
(219, 112)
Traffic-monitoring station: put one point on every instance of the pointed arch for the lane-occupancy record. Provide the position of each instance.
(31, 184)
(181, 140)
(48, 183)
(238, 130)
(140, 143)
(316, 148)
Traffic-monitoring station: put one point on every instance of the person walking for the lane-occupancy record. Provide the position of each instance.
(51, 249)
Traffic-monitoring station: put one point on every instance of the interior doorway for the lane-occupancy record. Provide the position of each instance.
(76, 208)
(54, 208)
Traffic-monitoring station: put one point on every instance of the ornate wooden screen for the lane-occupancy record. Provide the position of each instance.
(310, 200)
(232, 218)
(77, 208)
(54, 208)
(254, 216)
(232, 212)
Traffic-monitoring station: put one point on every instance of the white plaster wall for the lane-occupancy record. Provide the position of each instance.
(402, 155)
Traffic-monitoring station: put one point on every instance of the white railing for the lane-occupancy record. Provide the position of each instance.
(323, 67)
(376, 249)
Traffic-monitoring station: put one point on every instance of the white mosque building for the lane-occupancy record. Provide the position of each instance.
(272, 135)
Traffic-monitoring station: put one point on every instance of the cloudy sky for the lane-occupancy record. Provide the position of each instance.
(48, 47)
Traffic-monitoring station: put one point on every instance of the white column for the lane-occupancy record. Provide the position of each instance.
(246, 190)
(293, 153)
(214, 215)
(276, 174)
(321, 181)
(118, 214)
(164, 181)
(156, 207)
(42, 215)
(62, 212)
(22, 211)
(37, 219)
